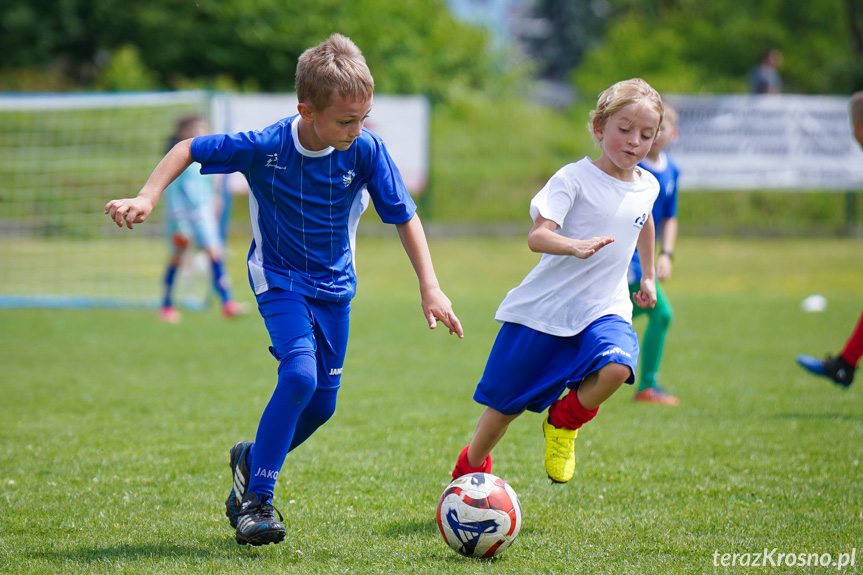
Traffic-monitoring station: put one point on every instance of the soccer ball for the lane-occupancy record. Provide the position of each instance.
(479, 515)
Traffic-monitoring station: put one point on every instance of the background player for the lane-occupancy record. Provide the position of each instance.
(840, 368)
(659, 317)
(190, 214)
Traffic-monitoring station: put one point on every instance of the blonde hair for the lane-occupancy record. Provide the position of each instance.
(620, 95)
(856, 109)
(335, 66)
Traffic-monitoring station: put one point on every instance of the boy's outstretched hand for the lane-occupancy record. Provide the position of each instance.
(583, 249)
(129, 211)
(437, 307)
(646, 296)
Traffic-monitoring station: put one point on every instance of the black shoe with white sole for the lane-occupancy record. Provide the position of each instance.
(256, 523)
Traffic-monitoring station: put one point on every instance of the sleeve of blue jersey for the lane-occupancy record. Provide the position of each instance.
(671, 211)
(391, 199)
(225, 153)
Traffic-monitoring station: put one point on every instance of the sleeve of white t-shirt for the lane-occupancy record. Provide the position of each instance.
(554, 201)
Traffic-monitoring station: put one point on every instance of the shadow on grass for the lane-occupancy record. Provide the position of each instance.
(414, 527)
(221, 548)
(426, 527)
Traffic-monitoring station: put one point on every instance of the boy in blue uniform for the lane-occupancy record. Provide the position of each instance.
(311, 176)
(664, 212)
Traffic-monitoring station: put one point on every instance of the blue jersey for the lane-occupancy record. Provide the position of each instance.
(305, 205)
(665, 207)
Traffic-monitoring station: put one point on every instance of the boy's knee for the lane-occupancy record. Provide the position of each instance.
(665, 315)
(298, 377)
(614, 374)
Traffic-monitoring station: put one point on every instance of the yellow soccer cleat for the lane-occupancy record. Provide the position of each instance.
(559, 452)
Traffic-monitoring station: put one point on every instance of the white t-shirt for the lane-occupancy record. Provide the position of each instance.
(562, 295)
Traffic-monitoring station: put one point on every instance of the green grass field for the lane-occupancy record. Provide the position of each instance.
(116, 429)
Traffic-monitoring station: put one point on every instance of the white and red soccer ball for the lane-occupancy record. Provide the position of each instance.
(479, 515)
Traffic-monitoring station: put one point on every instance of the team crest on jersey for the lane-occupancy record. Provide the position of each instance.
(348, 178)
(640, 221)
(273, 162)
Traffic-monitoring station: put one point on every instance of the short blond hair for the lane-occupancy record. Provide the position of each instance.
(620, 95)
(335, 66)
(856, 109)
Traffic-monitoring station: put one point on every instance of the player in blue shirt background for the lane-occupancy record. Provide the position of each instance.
(311, 177)
(659, 317)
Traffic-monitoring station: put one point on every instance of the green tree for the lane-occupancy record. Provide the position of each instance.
(126, 73)
(684, 45)
(571, 29)
(414, 46)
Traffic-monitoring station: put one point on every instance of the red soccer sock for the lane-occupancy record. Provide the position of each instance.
(853, 349)
(462, 467)
(568, 413)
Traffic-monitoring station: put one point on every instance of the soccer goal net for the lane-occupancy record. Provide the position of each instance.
(62, 157)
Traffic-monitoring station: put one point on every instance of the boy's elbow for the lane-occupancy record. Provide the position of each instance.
(533, 243)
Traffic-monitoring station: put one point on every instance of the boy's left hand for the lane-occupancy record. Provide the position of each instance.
(128, 211)
(437, 307)
(646, 297)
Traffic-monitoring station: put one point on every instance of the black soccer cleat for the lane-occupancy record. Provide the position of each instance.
(240, 480)
(839, 370)
(832, 367)
(256, 523)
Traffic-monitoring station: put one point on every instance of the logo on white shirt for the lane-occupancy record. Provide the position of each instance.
(640, 221)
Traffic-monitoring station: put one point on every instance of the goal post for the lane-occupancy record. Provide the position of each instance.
(62, 157)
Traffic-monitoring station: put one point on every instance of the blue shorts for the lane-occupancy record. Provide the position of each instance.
(529, 369)
(298, 324)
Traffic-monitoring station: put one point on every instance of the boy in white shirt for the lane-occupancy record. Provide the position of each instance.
(569, 323)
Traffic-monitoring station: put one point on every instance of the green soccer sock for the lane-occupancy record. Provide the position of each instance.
(653, 343)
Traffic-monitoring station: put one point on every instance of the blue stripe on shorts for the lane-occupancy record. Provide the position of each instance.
(529, 369)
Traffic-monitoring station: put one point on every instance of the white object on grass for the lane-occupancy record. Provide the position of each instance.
(814, 303)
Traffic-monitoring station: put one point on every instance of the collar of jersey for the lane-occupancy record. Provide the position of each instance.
(296, 137)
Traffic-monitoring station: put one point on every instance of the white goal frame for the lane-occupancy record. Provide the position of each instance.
(62, 157)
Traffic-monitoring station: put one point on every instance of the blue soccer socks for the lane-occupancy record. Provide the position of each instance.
(221, 282)
(294, 390)
(168, 284)
(318, 411)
